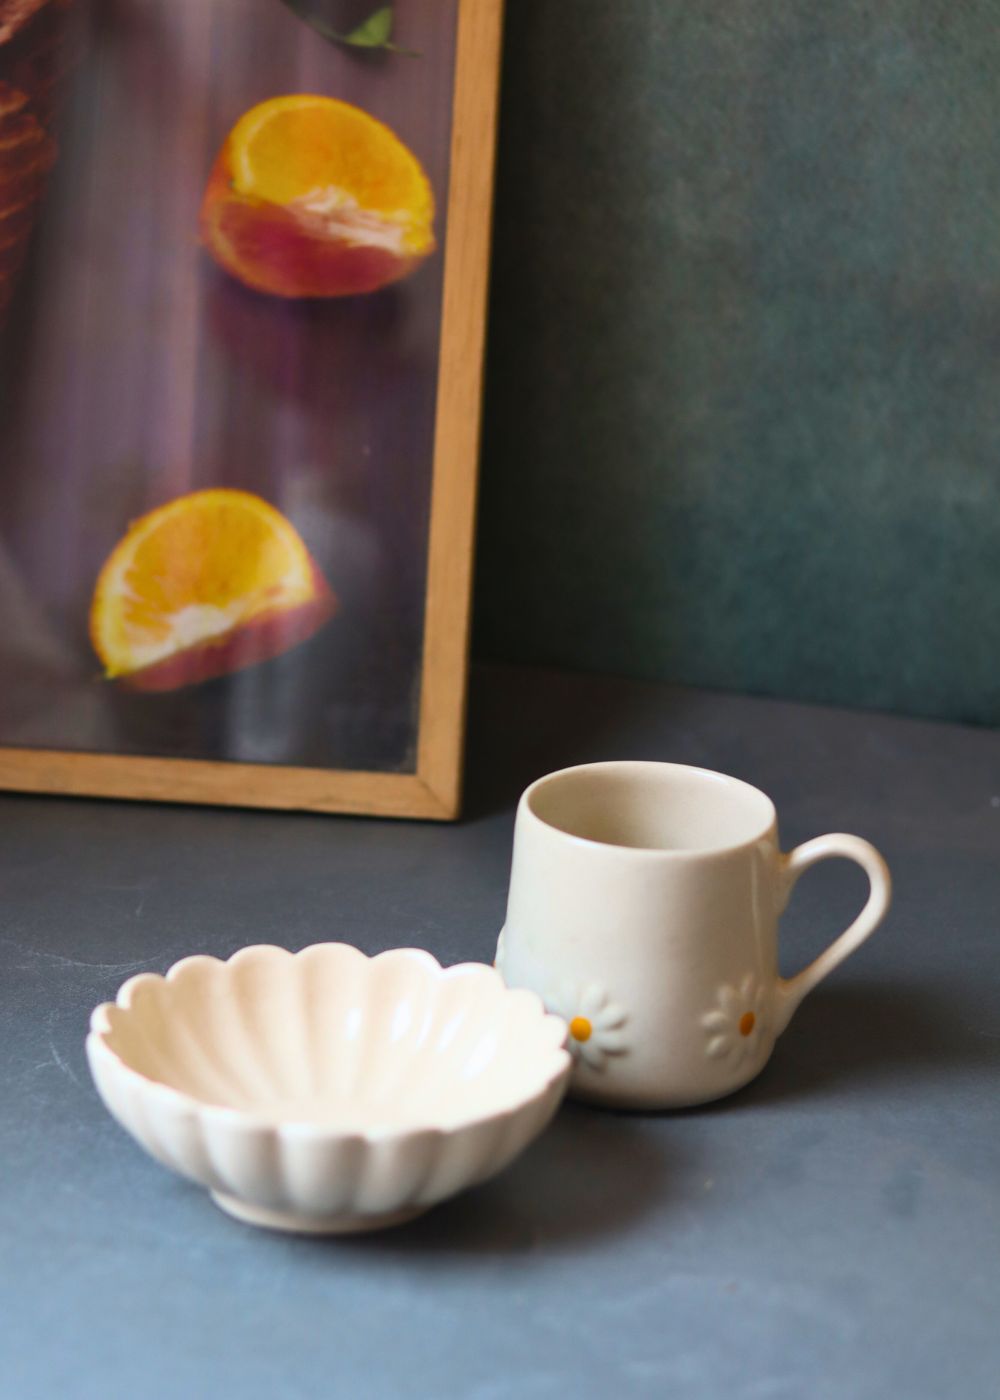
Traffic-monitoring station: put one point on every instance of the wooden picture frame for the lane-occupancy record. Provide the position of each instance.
(432, 788)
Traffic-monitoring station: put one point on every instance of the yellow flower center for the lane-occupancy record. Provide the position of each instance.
(580, 1028)
(747, 1022)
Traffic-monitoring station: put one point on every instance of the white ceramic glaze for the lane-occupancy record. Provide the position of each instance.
(327, 1091)
(643, 908)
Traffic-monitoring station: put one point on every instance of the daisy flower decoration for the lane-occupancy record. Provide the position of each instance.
(595, 1023)
(736, 1024)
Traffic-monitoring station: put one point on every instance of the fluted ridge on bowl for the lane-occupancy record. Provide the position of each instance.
(211, 1092)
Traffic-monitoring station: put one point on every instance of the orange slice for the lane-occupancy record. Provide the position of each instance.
(316, 151)
(311, 196)
(212, 582)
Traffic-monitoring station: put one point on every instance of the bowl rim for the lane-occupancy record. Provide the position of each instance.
(97, 1048)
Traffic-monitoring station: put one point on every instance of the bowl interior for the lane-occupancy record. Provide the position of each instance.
(330, 1036)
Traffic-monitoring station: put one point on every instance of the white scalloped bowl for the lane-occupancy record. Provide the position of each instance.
(327, 1091)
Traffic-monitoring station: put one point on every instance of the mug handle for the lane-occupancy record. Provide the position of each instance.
(791, 990)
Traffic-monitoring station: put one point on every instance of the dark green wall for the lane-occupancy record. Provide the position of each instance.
(743, 405)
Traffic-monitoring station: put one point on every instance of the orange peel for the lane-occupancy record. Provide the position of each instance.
(212, 582)
(313, 197)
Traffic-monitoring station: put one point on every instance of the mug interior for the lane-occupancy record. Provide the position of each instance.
(652, 806)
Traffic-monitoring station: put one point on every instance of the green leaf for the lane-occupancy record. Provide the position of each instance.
(373, 33)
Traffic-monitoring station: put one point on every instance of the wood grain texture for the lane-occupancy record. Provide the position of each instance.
(432, 790)
(449, 588)
(221, 784)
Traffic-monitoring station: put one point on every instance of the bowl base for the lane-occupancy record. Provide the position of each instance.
(312, 1224)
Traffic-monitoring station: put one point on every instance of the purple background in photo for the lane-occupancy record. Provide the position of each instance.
(134, 370)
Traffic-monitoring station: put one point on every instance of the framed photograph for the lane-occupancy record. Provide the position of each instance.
(243, 272)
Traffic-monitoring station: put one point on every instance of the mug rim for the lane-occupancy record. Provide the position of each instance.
(664, 852)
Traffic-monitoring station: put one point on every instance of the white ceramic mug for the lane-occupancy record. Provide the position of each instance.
(643, 908)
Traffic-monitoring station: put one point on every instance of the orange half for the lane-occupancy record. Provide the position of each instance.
(212, 582)
(311, 196)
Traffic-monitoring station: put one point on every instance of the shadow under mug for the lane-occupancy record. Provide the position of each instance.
(643, 909)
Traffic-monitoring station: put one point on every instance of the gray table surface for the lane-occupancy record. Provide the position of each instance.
(833, 1230)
